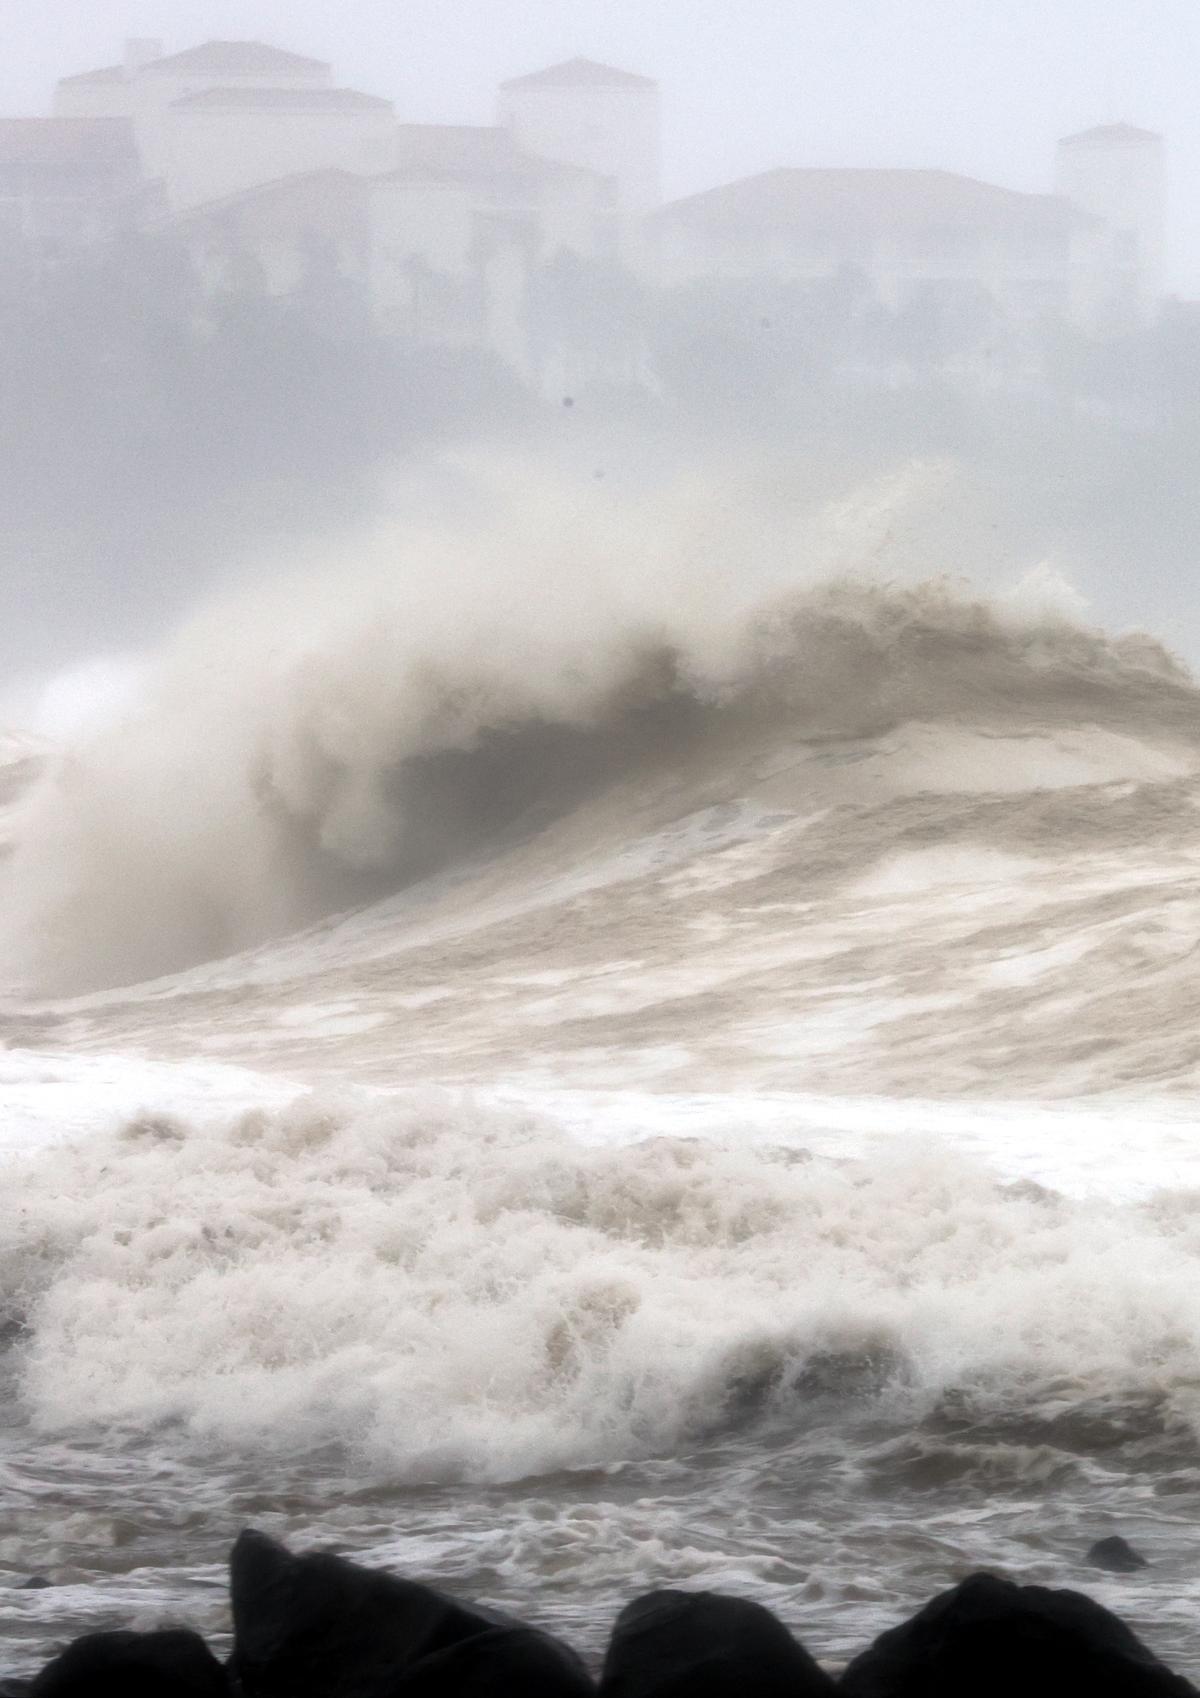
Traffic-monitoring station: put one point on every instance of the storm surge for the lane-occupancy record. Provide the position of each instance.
(423, 700)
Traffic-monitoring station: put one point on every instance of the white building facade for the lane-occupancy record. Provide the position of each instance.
(1118, 174)
(596, 117)
(454, 232)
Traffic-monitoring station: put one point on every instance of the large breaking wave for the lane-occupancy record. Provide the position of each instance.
(308, 743)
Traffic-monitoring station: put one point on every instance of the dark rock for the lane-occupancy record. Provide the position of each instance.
(14, 1688)
(499, 1663)
(704, 1645)
(989, 1637)
(35, 1583)
(320, 1627)
(1115, 1555)
(172, 1664)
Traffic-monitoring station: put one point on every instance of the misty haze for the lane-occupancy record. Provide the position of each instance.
(599, 847)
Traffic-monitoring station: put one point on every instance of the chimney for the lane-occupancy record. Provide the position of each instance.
(141, 51)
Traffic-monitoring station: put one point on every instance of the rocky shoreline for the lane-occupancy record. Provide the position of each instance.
(319, 1626)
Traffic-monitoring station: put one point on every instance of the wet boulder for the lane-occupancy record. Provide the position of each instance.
(171, 1664)
(318, 1626)
(703, 1645)
(511, 1661)
(990, 1637)
(1116, 1556)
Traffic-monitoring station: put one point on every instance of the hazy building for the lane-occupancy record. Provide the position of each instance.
(246, 140)
(66, 183)
(197, 159)
(902, 234)
(442, 248)
(1118, 173)
(597, 117)
(401, 250)
(553, 205)
(147, 80)
(278, 180)
(109, 91)
(225, 139)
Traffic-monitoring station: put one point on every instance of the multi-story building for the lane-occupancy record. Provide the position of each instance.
(67, 183)
(1118, 174)
(230, 114)
(597, 117)
(905, 235)
(465, 232)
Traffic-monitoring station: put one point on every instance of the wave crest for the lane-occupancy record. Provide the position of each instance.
(306, 745)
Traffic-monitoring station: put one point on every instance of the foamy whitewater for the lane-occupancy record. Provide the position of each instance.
(597, 1053)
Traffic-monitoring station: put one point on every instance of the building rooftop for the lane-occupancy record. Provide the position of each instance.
(106, 74)
(483, 157)
(236, 59)
(848, 198)
(85, 142)
(282, 100)
(331, 185)
(580, 73)
(1111, 135)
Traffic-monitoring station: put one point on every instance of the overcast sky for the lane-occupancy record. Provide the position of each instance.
(980, 86)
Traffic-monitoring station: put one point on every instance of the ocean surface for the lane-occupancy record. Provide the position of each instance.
(714, 1106)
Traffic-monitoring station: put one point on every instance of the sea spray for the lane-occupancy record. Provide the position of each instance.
(313, 741)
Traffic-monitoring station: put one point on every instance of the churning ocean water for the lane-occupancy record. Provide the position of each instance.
(566, 1103)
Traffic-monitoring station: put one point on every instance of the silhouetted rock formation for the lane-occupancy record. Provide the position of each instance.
(989, 1637)
(703, 1645)
(320, 1627)
(173, 1664)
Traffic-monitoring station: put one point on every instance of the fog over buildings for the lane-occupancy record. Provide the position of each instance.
(252, 255)
(263, 164)
(932, 84)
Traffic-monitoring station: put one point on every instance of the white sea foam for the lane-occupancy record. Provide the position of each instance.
(459, 1291)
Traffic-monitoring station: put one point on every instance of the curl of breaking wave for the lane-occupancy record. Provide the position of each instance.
(313, 741)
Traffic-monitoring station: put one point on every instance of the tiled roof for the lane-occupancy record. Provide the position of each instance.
(848, 198)
(86, 142)
(235, 59)
(580, 73)
(1109, 135)
(282, 100)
